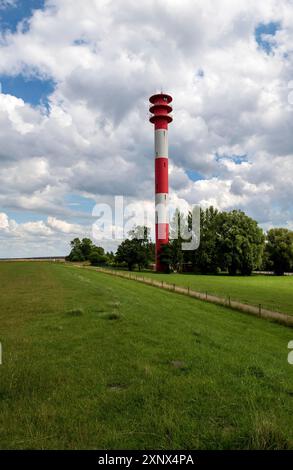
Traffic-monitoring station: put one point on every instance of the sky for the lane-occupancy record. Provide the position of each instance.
(75, 81)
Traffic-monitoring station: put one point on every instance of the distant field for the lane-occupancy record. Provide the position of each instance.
(91, 361)
(273, 292)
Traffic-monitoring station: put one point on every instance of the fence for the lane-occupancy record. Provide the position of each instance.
(258, 311)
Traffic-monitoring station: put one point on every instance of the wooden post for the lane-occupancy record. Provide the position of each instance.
(229, 301)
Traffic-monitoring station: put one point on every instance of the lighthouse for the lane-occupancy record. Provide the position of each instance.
(161, 109)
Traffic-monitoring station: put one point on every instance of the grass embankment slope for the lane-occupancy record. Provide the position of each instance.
(94, 361)
(272, 292)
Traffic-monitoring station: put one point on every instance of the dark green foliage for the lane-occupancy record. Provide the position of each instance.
(239, 243)
(206, 258)
(136, 250)
(97, 257)
(279, 250)
(85, 250)
(229, 241)
(174, 252)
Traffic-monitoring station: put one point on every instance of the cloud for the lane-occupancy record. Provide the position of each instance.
(65, 227)
(94, 138)
(4, 224)
(50, 227)
(36, 238)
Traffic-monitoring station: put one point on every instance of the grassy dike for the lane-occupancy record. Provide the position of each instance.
(272, 292)
(94, 361)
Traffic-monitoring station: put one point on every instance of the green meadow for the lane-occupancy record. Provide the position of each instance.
(92, 361)
(272, 292)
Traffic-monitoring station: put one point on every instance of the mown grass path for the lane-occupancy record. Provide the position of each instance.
(91, 361)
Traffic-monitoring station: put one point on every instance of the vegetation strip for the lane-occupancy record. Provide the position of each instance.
(281, 318)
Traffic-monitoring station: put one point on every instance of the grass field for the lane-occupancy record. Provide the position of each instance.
(272, 292)
(91, 361)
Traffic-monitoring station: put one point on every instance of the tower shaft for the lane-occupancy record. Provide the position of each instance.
(161, 109)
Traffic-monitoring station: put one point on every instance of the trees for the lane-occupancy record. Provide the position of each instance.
(97, 256)
(279, 250)
(127, 252)
(136, 250)
(87, 247)
(76, 253)
(173, 254)
(80, 249)
(240, 243)
(229, 241)
(85, 250)
(206, 258)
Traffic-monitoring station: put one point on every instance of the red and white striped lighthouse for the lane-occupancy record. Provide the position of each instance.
(160, 109)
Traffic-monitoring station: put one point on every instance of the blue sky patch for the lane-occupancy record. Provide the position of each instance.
(80, 42)
(10, 16)
(194, 175)
(79, 203)
(22, 217)
(200, 73)
(237, 159)
(75, 203)
(266, 29)
(32, 90)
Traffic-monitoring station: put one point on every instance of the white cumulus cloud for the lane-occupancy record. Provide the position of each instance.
(232, 114)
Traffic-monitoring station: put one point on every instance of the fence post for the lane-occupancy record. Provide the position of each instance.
(229, 301)
(174, 287)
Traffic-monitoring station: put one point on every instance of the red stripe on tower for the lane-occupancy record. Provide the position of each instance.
(160, 109)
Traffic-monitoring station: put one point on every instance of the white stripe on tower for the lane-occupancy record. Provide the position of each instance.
(161, 143)
(162, 203)
(161, 199)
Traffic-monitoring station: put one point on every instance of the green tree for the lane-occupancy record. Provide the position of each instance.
(86, 247)
(206, 258)
(76, 253)
(97, 256)
(279, 250)
(85, 250)
(240, 242)
(136, 250)
(111, 258)
(175, 246)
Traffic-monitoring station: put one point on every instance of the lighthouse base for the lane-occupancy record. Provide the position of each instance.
(162, 238)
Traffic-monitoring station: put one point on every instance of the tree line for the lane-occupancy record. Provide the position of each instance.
(229, 242)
